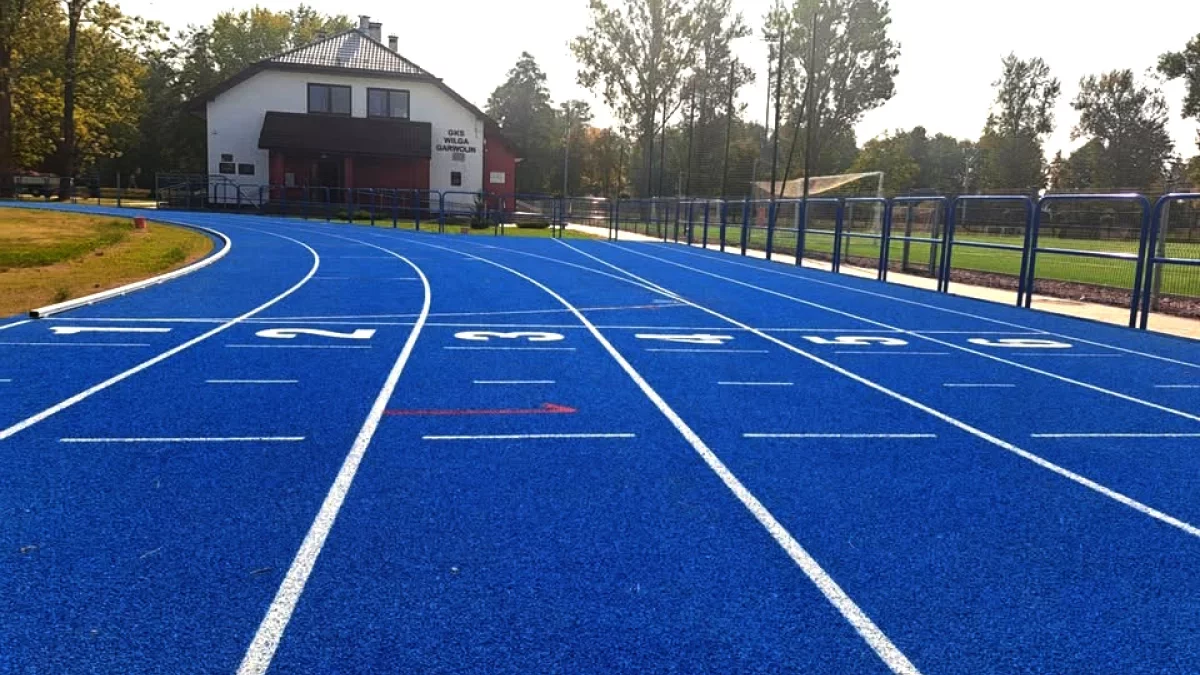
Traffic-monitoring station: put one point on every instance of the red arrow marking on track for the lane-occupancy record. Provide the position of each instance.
(545, 409)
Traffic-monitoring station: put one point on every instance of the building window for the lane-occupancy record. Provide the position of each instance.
(227, 167)
(329, 99)
(227, 157)
(456, 178)
(387, 103)
(245, 169)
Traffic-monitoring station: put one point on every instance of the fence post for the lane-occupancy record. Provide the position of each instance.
(118, 189)
(838, 226)
(616, 231)
(724, 221)
(1145, 265)
(441, 213)
(771, 211)
(1160, 251)
(801, 226)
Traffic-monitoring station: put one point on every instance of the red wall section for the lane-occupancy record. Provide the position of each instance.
(497, 156)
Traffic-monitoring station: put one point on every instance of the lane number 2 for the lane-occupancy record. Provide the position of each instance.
(291, 333)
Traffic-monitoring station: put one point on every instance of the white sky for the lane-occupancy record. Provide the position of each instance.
(950, 50)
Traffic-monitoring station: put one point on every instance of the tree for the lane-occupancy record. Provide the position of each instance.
(236, 40)
(854, 71)
(636, 56)
(66, 147)
(522, 108)
(1185, 65)
(912, 160)
(1129, 122)
(12, 18)
(1023, 113)
(892, 154)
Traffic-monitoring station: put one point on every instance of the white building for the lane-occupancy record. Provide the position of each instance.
(347, 112)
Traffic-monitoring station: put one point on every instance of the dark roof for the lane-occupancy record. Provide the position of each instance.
(350, 49)
(345, 135)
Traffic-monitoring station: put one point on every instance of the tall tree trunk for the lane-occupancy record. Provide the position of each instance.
(67, 144)
(12, 12)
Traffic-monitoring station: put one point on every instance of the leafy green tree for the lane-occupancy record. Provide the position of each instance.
(854, 72)
(636, 56)
(521, 105)
(1129, 122)
(892, 154)
(911, 160)
(239, 39)
(12, 20)
(1023, 113)
(1185, 65)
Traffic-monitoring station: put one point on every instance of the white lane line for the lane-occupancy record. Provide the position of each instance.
(401, 279)
(973, 332)
(1177, 386)
(756, 384)
(5, 380)
(75, 344)
(239, 346)
(76, 330)
(951, 345)
(848, 436)
(523, 437)
(711, 351)
(74, 319)
(63, 405)
(866, 628)
(513, 382)
(270, 631)
(1116, 435)
(252, 381)
(882, 353)
(512, 349)
(332, 278)
(955, 422)
(186, 439)
(945, 310)
(979, 385)
(15, 324)
(1070, 356)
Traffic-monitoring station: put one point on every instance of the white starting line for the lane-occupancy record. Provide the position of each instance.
(710, 351)
(75, 344)
(981, 385)
(252, 381)
(524, 437)
(870, 353)
(513, 382)
(1116, 435)
(756, 384)
(298, 346)
(1177, 386)
(842, 436)
(186, 439)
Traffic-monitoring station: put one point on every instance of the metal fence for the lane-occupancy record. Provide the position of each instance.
(1114, 249)
(1117, 249)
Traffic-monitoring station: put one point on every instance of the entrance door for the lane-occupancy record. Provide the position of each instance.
(329, 173)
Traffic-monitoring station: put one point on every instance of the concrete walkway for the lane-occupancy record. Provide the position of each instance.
(1161, 323)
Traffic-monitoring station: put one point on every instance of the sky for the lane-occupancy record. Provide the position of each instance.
(950, 50)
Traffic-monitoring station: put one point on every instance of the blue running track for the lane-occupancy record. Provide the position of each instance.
(354, 450)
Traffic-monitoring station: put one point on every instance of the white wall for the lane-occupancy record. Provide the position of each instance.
(235, 119)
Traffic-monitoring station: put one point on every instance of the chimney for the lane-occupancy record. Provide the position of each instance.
(375, 30)
(394, 43)
(364, 23)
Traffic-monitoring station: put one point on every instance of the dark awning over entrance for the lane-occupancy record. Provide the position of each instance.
(345, 135)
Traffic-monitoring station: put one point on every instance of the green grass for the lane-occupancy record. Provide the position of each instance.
(1176, 280)
(60, 255)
